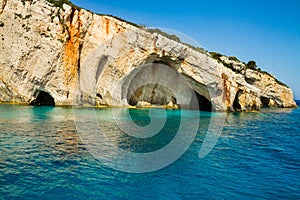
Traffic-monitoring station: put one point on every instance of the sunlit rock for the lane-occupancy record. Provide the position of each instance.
(81, 58)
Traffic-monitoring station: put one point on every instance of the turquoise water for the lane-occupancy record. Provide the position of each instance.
(43, 156)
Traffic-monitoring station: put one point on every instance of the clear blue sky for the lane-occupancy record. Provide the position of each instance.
(262, 30)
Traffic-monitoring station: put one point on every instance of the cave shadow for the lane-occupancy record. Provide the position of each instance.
(199, 102)
(42, 106)
(43, 99)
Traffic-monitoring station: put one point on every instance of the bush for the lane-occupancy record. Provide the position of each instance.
(172, 37)
(251, 65)
(59, 3)
(216, 55)
(234, 58)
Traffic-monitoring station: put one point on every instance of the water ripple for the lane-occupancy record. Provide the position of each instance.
(42, 157)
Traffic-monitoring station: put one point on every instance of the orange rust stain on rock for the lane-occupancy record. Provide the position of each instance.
(132, 51)
(71, 60)
(118, 28)
(107, 26)
(224, 76)
(71, 53)
(254, 103)
(184, 63)
(226, 88)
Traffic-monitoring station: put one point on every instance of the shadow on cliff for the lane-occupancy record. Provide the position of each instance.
(43, 99)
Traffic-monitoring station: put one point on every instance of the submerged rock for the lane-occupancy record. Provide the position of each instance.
(81, 58)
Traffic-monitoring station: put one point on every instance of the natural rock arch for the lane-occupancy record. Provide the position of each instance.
(161, 84)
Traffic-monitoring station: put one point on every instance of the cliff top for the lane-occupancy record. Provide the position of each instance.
(228, 61)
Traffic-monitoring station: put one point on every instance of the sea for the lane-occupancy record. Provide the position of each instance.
(120, 153)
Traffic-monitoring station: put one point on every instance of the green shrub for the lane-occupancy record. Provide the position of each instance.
(251, 65)
(171, 37)
(216, 56)
(234, 58)
(59, 3)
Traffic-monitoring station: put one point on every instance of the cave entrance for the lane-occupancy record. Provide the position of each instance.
(159, 95)
(43, 99)
(203, 103)
(236, 104)
(155, 94)
(159, 84)
(265, 101)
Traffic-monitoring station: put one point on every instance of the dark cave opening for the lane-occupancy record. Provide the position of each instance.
(43, 99)
(265, 101)
(236, 105)
(201, 103)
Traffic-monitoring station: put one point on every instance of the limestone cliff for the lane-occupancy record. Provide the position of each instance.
(78, 57)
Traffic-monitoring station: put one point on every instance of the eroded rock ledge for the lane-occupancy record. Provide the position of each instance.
(70, 56)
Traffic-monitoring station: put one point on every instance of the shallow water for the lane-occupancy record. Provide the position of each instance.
(44, 156)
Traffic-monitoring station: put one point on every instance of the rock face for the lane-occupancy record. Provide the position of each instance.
(73, 56)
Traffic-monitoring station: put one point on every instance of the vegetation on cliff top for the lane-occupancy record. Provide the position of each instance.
(250, 65)
(60, 3)
(175, 38)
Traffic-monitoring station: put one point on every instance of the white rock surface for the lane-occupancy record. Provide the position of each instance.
(82, 58)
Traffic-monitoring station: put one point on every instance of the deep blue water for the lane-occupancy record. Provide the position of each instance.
(43, 156)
